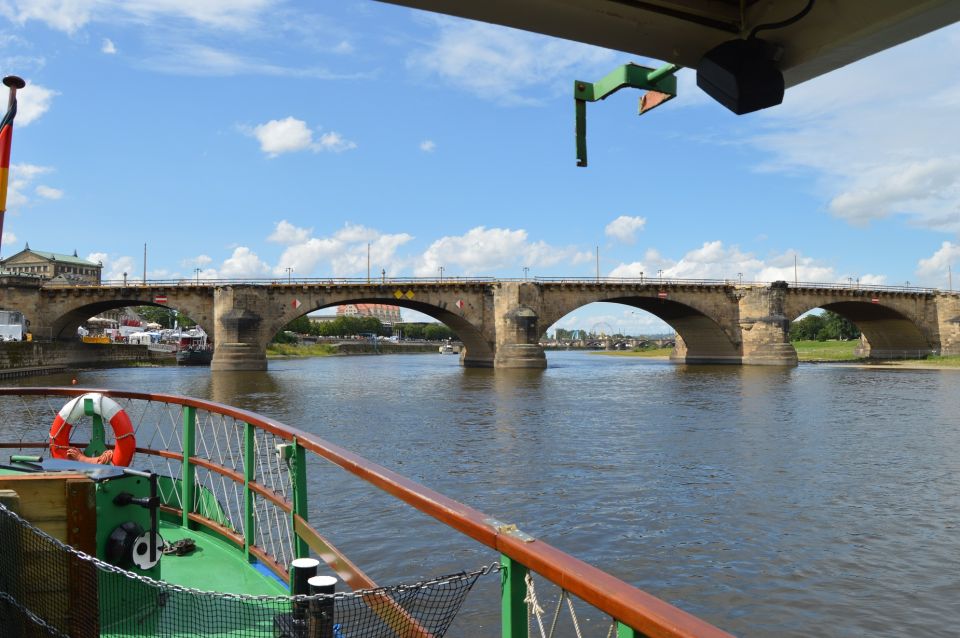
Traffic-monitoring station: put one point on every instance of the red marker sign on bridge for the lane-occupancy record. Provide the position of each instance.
(160, 299)
(874, 300)
(662, 294)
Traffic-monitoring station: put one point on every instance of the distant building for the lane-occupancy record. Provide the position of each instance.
(385, 313)
(57, 267)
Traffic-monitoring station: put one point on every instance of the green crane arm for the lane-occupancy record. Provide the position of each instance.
(660, 85)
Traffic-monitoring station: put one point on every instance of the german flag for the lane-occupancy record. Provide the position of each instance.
(6, 138)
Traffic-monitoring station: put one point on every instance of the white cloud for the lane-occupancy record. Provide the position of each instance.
(21, 178)
(877, 150)
(291, 135)
(505, 65)
(428, 146)
(198, 261)
(356, 232)
(345, 253)
(304, 257)
(48, 192)
(113, 268)
(937, 268)
(190, 58)
(244, 264)
(625, 228)
(383, 251)
(283, 136)
(71, 15)
(108, 47)
(335, 142)
(9, 238)
(33, 101)
(287, 233)
(483, 251)
(344, 48)
(715, 261)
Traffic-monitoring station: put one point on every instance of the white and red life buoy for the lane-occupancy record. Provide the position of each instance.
(110, 411)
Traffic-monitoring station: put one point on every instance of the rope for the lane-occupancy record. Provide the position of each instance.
(534, 610)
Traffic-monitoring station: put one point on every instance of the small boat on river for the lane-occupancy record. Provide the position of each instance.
(193, 348)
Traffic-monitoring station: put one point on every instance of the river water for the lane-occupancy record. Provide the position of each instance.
(771, 502)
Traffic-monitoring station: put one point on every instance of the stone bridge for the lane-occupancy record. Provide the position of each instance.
(502, 321)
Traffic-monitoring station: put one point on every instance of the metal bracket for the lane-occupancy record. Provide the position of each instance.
(509, 529)
(660, 86)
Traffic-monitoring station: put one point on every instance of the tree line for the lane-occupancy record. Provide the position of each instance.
(823, 327)
(346, 326)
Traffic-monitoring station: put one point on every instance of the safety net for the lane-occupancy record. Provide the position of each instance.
(48, 588)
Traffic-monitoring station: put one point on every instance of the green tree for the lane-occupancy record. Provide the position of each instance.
(300, 325)
(807, 328)
(822, 327)
(837, 327)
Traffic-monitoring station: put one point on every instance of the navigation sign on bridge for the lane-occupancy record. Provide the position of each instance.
(160, 299)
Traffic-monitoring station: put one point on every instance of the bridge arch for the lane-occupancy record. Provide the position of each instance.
(704, 335)
(68, 312)
(478, 347)
(891, 327)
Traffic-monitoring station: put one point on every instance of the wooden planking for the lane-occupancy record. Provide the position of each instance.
(63, 506)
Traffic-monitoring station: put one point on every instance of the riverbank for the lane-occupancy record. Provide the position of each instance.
(30, 358)
(347, 348)
(839, 352)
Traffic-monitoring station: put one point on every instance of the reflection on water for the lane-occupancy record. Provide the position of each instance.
(770, 501)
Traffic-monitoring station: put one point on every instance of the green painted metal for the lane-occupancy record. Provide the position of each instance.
(98, 442)
(626, 632)
(513, 592)
(249, 467)
(187, 470)
(298, 475)
(661, 80)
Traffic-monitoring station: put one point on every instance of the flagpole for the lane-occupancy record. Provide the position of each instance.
(6, 137)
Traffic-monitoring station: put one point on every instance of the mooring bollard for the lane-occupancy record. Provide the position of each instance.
(321, 620)
(301, 571)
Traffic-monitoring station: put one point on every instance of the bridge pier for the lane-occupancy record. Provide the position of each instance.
(241, 337)
(765, 328)
(518, 335)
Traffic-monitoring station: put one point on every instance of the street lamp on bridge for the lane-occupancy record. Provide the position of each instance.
(289, 273)
(526, 269)
(740, 277)
(441, 273)
(197, 273)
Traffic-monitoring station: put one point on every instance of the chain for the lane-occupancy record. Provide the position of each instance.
(360, 593)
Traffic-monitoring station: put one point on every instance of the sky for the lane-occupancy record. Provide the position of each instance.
(243, 138)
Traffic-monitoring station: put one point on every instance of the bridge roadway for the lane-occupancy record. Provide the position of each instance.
(502, 321)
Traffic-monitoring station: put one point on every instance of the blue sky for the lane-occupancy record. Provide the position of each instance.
(246, 137)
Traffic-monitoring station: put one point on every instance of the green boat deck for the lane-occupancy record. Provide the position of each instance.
(215, 565)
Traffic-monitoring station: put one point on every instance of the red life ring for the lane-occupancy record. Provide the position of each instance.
(110, 411)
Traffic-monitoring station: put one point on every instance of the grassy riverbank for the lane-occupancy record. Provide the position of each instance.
(822, 352)
(294, 350)
(826, 350)
(655, 353)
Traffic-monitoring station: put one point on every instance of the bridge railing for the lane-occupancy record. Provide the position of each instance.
(243, 477)
(471, 280)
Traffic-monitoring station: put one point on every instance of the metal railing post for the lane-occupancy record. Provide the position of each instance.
(300, 504)
(187, 470)
(513, 592)
(249, 460)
